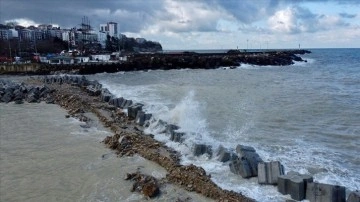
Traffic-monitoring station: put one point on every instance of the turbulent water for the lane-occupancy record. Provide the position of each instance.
(305, 115)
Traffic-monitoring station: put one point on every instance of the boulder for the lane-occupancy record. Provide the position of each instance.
(354, 196)
(318, 192)
(19, 101)
(268, 172)
(7, 97)
(295, 184)
(200, 149)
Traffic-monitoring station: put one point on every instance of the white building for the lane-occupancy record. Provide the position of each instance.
(5, 34)
(140, 40)
(110, 28)
(102, 38)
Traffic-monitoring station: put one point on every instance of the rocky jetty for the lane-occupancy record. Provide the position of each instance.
(79, 95)
(164, 61)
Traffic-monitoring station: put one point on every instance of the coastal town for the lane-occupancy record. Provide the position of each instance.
(49, 44)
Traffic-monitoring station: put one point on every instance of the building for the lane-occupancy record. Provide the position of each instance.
(110, 28)
(140, 40)
(5, 34)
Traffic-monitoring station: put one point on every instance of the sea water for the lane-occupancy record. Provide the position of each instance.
(306, 115)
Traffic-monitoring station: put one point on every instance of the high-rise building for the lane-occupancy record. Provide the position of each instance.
(110, 28)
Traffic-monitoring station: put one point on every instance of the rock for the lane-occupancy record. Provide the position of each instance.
(249, 154)
(268, 172)
(294, 184)
(354, 196)
(177, 136)
(200, 149)
(20, 101)
(318, 192)
(150, 190)
(7, 98)
(50, 100)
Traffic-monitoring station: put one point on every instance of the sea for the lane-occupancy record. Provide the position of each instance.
(306, 115)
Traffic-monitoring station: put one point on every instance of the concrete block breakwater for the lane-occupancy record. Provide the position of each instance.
(163, 61)
(243, 160)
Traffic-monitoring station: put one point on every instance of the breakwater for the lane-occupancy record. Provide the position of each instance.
(164, 61)
(243, 160)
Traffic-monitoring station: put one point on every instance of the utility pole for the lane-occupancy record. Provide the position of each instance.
(247, 43)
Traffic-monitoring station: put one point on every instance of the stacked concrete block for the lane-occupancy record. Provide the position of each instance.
(241, 167)
(224, 155)
(295, 184)
(247, 162)
(200, 149)
(354, 196)
(268, 172)
(142, 118)
(105, 97)
(318, 192)
(177, 136)
(170, 128)
(126, 103)
(134, 109)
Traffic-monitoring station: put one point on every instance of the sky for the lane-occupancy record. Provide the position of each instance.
(205, 24)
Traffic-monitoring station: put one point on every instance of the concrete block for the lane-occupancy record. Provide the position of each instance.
(177, 136)
(223, 154)
(241, 167)
(118, 101)
(354, 196)
(200, 149)
(249, 154)
(105, 97)
(170, 128)
(295, 184)
(140, 117)
(318, 192)
(268, 172)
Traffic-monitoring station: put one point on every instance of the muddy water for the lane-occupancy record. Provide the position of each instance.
(46, 157)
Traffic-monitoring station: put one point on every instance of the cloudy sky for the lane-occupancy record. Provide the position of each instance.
(205, 24)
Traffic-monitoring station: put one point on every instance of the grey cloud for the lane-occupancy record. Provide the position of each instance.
(69, 13)
(347, 15)
(248, 11)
